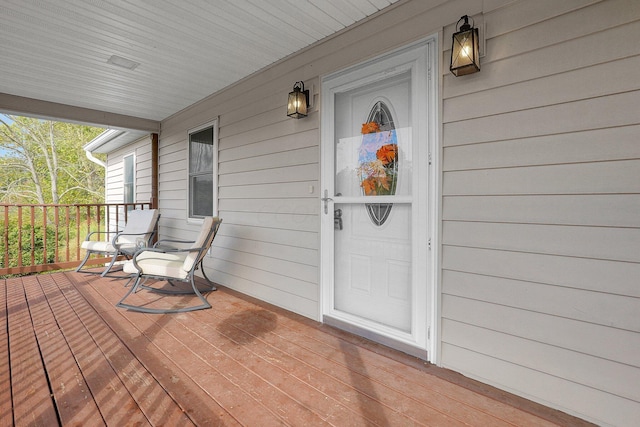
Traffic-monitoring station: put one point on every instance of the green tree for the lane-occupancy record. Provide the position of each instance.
(24, 234)
(43, 162)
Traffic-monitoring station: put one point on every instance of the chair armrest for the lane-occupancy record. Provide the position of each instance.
(164, 250)
(115, 243)
(176, 241)
(99, 232)
(163, 243)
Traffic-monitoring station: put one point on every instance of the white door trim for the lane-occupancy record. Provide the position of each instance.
(424, 54)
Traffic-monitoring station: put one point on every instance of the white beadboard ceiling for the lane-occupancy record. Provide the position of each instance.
(58, 50)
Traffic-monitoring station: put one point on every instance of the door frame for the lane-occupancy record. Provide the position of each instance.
(424, 53)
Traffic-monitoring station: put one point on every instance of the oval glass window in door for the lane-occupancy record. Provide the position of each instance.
(378, 160)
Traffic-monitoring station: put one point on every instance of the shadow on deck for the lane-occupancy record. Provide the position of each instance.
(69, 357)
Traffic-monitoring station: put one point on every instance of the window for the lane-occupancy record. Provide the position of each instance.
(128, 179)
(202, 176)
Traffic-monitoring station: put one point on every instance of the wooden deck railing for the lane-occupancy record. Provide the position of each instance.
(37, 238)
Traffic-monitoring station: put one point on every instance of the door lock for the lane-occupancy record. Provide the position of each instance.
(337, 219)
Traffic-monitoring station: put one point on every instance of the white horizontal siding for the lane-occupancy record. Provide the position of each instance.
(268, 183)
(292, 157)
(558, 55)
(585, 178)
(611, 143)
(277, 190)
(575, 116)
(296, 254)
(257, 284)
(604, 243)
(267, 196)
(270, 205)
(608, 210)
(289, 276)
(141, 149)
(615, 277)
(541, 194)
(172, 189)
(555, 89)
(296, 239)
(270, 176)
(114, 190)
(602, 376)
(552, 391)
(612, 344)
(596, 307)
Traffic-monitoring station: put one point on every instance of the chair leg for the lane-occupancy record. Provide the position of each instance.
(132, 289)
(103, 273)
(84, 261)
(204, 274)
(113, 261)
(138, 284)
(205, 303)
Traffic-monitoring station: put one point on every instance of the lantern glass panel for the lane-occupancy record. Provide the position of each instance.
(297, 104)
(465, 52)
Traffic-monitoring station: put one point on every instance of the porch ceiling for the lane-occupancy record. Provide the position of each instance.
(186, 50)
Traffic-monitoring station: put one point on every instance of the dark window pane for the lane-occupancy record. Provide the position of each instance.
(128, 169)
(201, 151)
(128, 193)
(201, 202)
(128, 179)
(201, 173)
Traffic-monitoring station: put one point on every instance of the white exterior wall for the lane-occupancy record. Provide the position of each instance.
(541, 208)
(114, 188)
(540, 197)
(267, 245)
(114, 176)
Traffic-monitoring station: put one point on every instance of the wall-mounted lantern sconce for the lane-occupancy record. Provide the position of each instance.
(298, 101)
(465, 52)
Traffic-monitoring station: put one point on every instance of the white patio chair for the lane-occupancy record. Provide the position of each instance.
(138, 231)
(169, 264)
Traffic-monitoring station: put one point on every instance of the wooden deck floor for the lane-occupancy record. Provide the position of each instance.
(69, 357)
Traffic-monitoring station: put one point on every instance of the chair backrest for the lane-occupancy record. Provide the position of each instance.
(139, 221)
(204, 240)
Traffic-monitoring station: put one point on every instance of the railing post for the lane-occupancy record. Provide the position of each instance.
(59, 235)
(78, 232)
(6, 236)
(19, 236)
(67, 223)
(154, 171)
(32, 255)
(16, 219)
(44, 231)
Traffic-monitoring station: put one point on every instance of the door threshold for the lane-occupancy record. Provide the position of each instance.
(376, 337)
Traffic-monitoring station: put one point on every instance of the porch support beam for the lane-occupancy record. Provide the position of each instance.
(154, 171)
(19, 105)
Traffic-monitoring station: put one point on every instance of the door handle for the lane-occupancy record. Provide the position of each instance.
(326, 199)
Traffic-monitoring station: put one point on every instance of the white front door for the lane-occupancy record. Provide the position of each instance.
(375, 210)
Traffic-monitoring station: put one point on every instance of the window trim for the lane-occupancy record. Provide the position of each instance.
(211, 124)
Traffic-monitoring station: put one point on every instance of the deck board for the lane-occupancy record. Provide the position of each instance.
(27, 380)
(93, 348)
(68, 356)
(133, 394)
(6, 413)
(74, 402)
